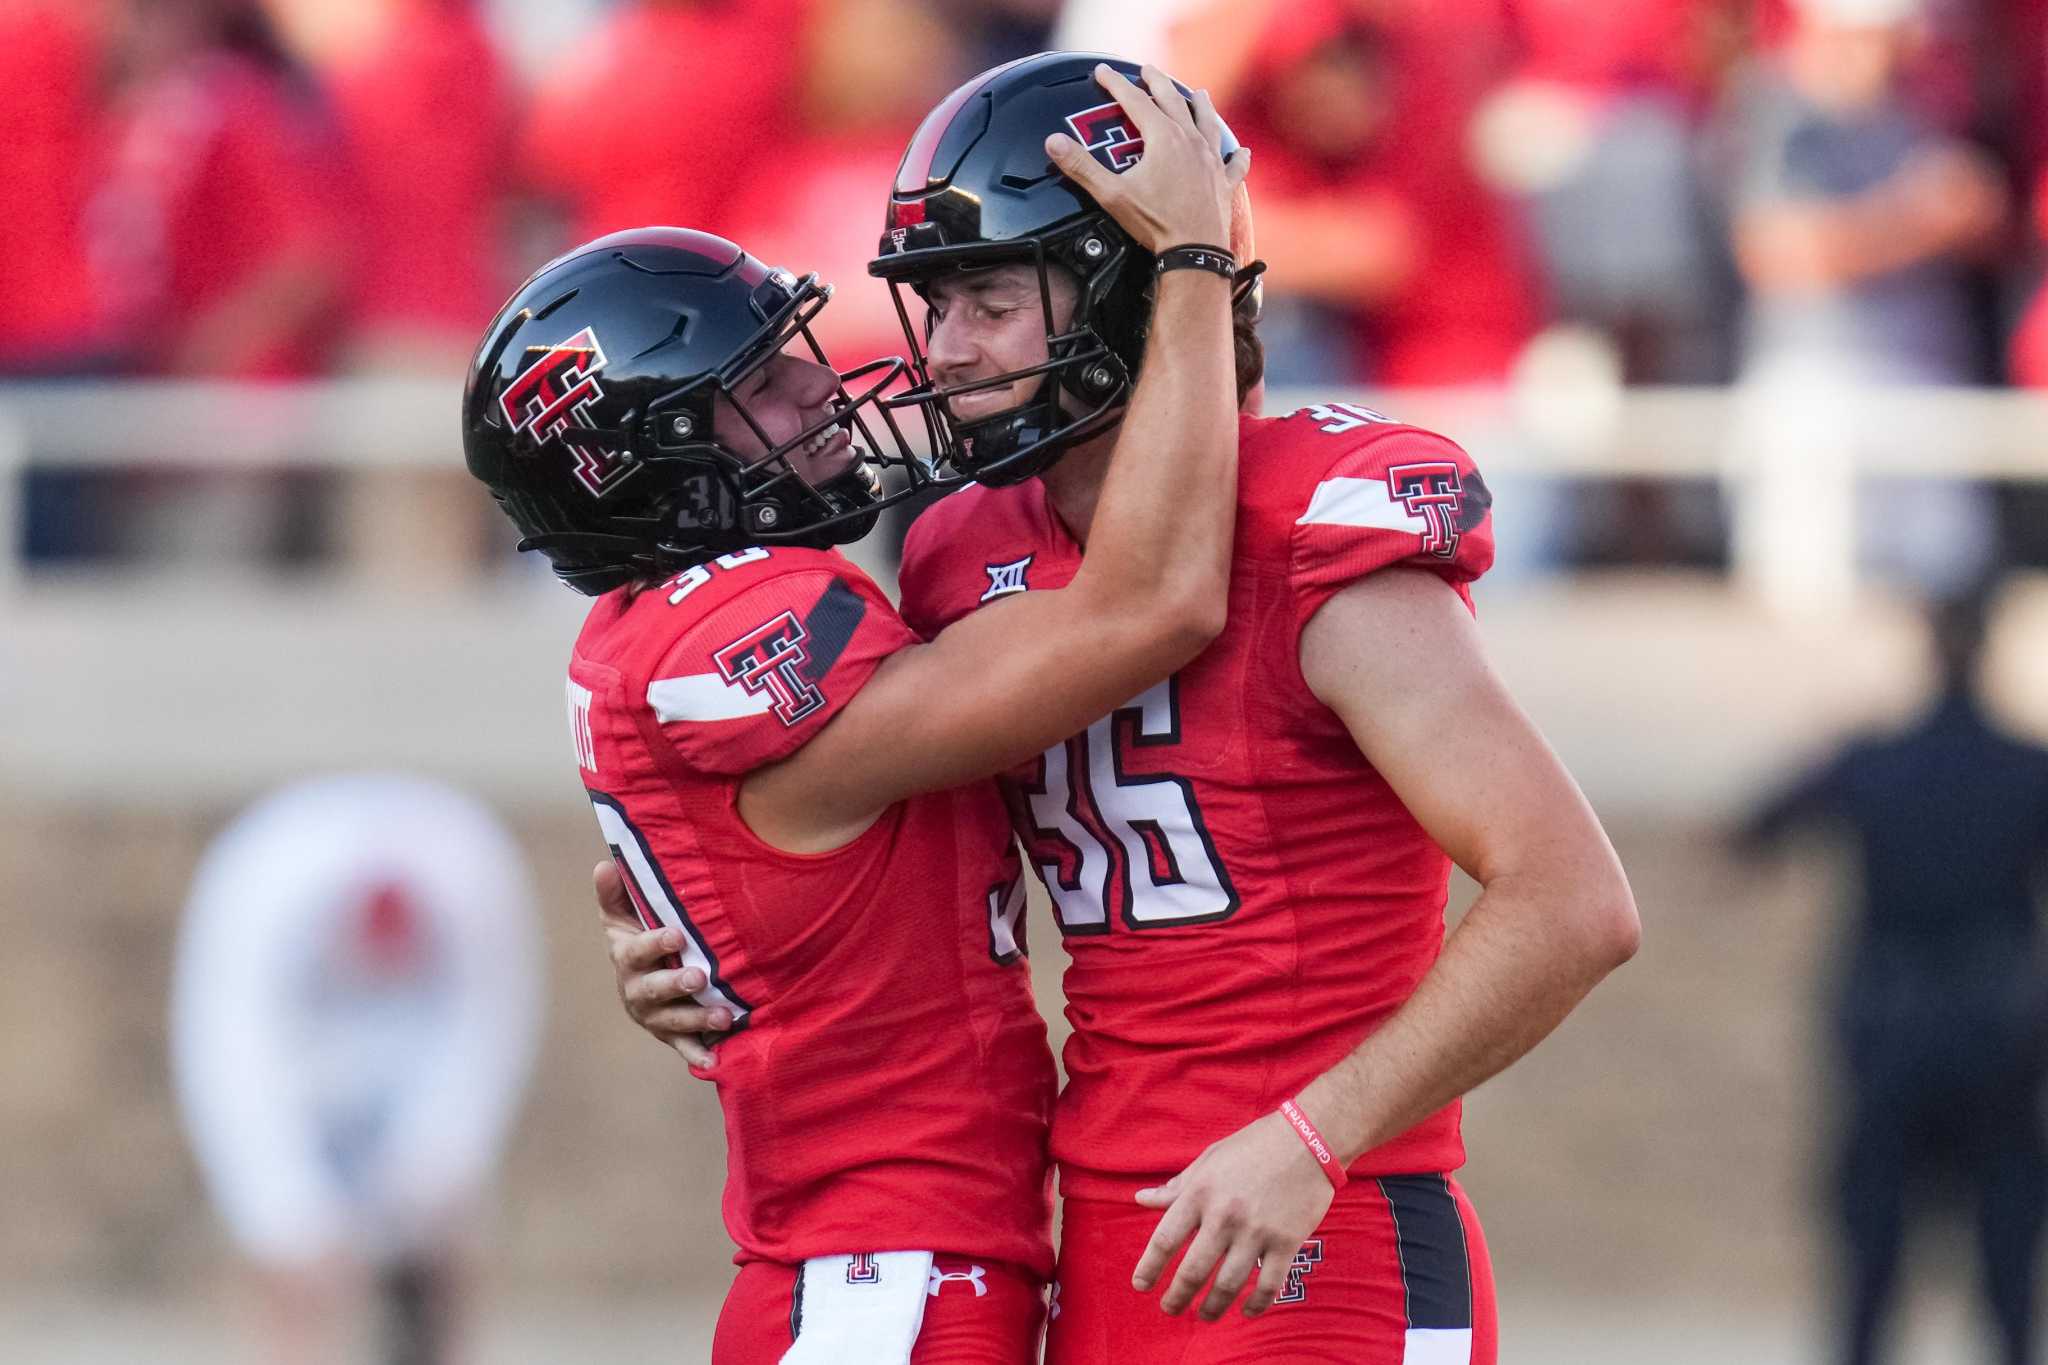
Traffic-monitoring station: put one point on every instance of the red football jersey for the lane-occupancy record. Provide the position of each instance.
(887, 1084)
(1243, 896)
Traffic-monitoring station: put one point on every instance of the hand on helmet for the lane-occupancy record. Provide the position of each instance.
(1179, 190)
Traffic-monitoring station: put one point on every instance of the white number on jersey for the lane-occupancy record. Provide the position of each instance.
(1191, 888)
(1005, 914)
(697, 575)
(1338, 418)
(658, 905)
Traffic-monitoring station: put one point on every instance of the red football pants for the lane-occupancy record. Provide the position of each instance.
(1397, 1274)
(976, 1312)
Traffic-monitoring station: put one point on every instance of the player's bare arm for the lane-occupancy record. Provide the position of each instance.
(1397, 656)
(999, 686)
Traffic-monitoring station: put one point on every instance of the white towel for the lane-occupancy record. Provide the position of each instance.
(860, 1310)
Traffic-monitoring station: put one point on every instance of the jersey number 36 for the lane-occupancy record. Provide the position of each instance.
(1158, 865)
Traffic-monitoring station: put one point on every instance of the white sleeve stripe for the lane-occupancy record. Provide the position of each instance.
(1358, 502)
(704, 696)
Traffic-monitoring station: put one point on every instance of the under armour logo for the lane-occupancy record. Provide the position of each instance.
(1052, 1303)
(1305, 1259)
(972, 1275)
(1004, 579)
(1430, 491)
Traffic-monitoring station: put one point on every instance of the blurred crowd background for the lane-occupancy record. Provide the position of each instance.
(1661, 191)
(1739, 303)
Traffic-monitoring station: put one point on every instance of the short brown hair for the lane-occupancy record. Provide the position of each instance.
(1246, 350)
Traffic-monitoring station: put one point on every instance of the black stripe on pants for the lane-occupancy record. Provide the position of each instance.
(1436, 1272)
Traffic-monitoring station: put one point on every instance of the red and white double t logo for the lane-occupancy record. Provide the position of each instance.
(550, 399)
(1108, 131)
(770, 658)
(1306, 1259)
(1433, 492)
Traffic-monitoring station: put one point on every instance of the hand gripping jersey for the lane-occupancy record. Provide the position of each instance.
(887, 1084)
(1243, 896)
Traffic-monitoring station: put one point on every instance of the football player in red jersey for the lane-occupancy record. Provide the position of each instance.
(777, 761)
(1267, 835)
(1249, 861)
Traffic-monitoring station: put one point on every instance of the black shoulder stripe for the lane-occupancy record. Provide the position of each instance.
(829, 625)
(1476, 503)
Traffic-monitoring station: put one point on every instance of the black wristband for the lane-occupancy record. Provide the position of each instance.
(1196, 256)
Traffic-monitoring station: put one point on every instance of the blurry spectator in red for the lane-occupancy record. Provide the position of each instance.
(2030, 345)
(1595, 128)
(662, 108)
(813, 204)
(217, 241)
(427, 117)
(217, 235)
(1390, 261)
(1855, 225)
(52, 124)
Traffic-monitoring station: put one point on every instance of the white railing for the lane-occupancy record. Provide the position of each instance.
(1785, 450)
(1670, 694)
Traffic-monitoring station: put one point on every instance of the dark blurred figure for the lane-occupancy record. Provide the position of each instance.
(655, 116)
(1391, 262)
(1940, 1013)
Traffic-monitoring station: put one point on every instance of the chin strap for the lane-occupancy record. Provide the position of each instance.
(594, 541)
(1245, 284)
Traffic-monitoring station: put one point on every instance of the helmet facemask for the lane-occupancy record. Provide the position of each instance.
(1084, 382)
(703, 497)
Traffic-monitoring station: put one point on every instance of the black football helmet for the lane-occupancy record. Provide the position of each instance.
(588, 411)
(976, 189)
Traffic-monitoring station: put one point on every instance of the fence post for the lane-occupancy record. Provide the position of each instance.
(1791, 471)
(13, 511)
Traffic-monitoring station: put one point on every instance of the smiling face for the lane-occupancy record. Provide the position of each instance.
(784, 395)
(983, 323)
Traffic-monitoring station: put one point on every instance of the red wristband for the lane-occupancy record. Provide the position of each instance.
(1333, 1169)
